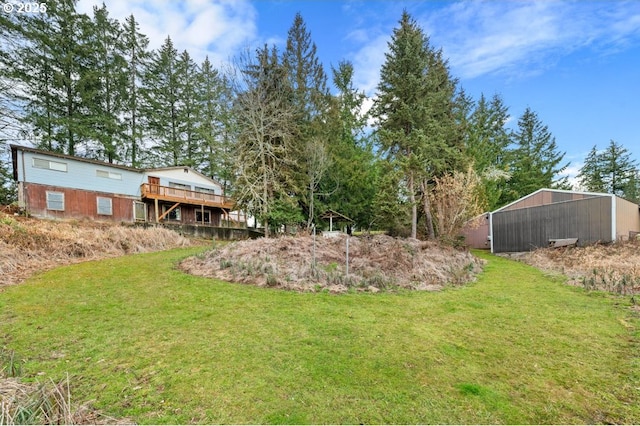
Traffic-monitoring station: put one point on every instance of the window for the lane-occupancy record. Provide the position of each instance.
(207, 216)
(104, 206)
(205, 190)
(108, 175)
(140, 211)
(179, 185)
(40, 163)
(55, 201)
(173, 214)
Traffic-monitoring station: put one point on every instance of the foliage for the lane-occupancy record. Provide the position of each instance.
(415, 113)
(456, 198)
(310, 100)
(612, 171)
(536, 161)
(266, 130)
(148, 342)
(487, 145)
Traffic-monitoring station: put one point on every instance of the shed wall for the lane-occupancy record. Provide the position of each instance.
(588, 219)
(546, 197)
(627, 218)
(476, 232)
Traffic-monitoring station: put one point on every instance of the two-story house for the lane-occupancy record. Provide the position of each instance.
(53, 185)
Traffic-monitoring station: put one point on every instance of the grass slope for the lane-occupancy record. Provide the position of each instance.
(148, 342)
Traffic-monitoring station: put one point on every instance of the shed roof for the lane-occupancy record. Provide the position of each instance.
(334, 215)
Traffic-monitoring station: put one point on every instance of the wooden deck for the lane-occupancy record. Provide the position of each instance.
(184, 196)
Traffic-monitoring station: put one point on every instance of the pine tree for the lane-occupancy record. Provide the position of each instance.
(487, 143)
(216, 128)
(612, 171)
(536, 161)
(189, 112)
(162, 98)
(108, 71)
(136, 56)
(52, 66)
(311, 101)
(416, 114)
(352, 175)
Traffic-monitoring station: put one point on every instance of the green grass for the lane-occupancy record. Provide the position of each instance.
(145, 341)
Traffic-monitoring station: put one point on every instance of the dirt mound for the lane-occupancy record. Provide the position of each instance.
(30, 245)
(610, 267)
(376, 263)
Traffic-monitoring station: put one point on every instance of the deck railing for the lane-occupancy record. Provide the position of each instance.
(166, 193)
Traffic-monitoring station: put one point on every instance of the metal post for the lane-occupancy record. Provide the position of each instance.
(314, 245)
(347, 256)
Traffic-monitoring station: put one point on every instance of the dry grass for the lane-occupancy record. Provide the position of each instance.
(611, 267)
(31, 245)
(376, 263)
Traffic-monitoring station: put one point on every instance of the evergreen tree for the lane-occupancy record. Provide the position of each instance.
(416, 113)
(52, 67)
(487, 144)
(612, 171)
(189, 111)
(216, 129)
(351, 179)
(536, 161)
(310, 98)
(109, 77)
(136, 55)
(162, 97)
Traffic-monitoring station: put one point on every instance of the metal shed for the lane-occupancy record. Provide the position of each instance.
(550, 214)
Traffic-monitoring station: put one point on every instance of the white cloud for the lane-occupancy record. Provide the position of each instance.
(510, 38)
(525, 37)
(217, 28)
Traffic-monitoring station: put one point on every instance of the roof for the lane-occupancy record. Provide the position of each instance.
(562, 191)
(334, 215)
(159, 169)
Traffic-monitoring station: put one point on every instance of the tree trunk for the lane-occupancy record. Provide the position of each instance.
(414, 207)
(426, 206)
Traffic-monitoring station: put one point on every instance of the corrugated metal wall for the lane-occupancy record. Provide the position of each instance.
(588, 219)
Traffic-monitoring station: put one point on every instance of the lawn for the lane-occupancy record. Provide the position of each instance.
(143, 340)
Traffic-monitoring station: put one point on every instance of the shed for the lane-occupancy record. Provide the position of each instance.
(334, 216)
(551, 214)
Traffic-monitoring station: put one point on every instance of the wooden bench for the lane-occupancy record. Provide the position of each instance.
(562, 242)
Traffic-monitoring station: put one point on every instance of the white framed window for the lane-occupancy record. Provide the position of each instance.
(140, 211)
(55, 201)
(108, 174)
(41, 163)
(105, 206)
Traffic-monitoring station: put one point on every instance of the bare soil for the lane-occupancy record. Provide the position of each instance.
(376, 263)
(30, 245)
(610, 267)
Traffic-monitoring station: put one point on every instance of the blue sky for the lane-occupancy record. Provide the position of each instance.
(575, 63)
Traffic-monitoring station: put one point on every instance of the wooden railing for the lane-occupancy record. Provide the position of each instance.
(179, 195)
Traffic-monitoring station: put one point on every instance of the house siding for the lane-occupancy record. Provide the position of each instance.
(78, 204)
(189, 177)
(79, 175)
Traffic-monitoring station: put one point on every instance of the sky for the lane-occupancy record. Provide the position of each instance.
(575, 63)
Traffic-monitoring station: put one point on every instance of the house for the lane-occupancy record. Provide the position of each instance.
(53, 185)
(548, 215)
